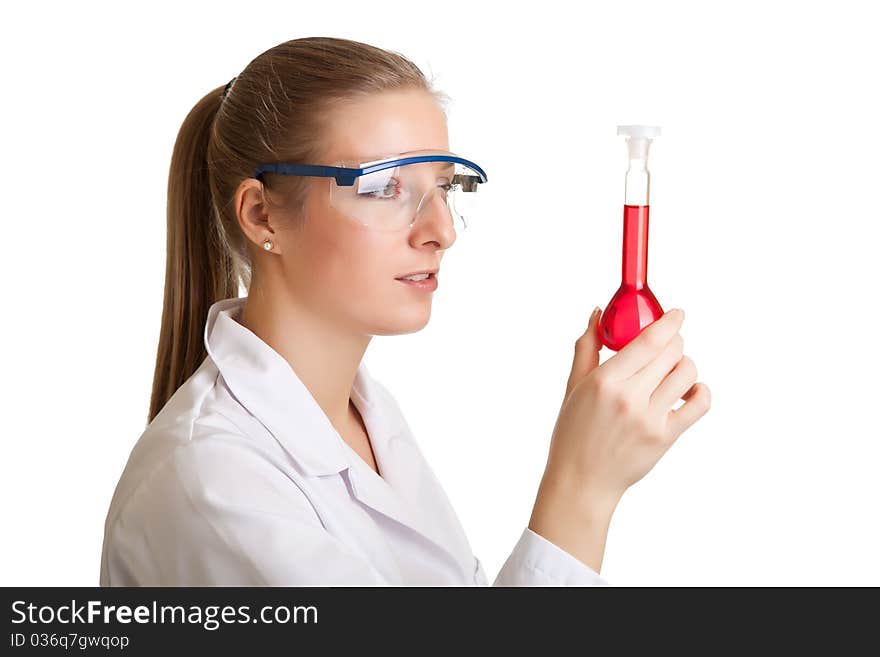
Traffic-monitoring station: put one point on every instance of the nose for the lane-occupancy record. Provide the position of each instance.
(433, 218)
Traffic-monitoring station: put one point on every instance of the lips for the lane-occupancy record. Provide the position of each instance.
(431, 272)
(428, 284)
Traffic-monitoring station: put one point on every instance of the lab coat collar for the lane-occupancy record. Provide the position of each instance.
(268, 387)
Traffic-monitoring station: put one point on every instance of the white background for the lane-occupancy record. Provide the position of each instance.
(763, 228)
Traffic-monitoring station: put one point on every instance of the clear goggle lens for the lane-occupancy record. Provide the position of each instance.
(395, 198)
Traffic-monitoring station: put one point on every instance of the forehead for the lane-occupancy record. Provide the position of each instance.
(385, 124)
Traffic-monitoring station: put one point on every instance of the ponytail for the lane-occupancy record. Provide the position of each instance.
(198, 270)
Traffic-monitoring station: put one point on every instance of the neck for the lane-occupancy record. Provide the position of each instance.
(322, 354)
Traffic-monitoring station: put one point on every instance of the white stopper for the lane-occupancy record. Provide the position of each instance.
(639, 139)
(649, 131)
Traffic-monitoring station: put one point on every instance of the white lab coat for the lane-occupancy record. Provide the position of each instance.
(241, 479)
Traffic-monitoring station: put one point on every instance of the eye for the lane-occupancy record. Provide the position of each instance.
(391, 191)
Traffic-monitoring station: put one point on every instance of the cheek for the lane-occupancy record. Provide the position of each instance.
(350, 277)
(350, 263)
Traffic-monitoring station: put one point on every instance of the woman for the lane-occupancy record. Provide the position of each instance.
(271, 456)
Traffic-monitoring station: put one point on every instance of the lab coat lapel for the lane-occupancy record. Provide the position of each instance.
(407, 490)
(388, 497)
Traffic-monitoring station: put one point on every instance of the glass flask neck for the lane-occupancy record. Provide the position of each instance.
(638, 183)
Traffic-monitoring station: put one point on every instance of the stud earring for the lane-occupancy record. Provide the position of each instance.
(267, 245)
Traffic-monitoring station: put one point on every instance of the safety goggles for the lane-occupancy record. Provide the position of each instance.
(393, 192)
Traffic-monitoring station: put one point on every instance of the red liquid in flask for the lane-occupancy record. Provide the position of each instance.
(633, 306)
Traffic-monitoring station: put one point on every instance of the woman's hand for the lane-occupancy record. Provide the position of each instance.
(615, 423)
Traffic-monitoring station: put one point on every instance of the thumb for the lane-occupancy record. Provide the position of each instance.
(586, 352)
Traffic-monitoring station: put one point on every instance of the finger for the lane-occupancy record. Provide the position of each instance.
(647, 379)
(698, 400)
(586, 352)
(675, 384)
(645, 346)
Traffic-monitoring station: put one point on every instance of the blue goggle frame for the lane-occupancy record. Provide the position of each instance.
(345, 176)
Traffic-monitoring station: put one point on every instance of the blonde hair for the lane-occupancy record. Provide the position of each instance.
(275, 111)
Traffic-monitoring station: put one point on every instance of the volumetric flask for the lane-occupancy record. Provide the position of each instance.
(633, 306)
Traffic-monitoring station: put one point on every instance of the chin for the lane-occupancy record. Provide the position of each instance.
(403, 323)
